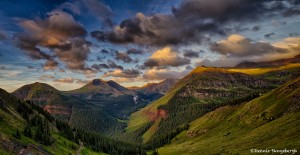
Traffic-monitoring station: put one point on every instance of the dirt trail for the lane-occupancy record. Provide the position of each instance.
(79, 149)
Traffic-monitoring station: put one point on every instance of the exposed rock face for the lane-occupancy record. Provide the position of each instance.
(222, 84)
(48, 97)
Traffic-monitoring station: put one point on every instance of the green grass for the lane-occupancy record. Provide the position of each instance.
(258, 71)
(139, 118)
(87, 151)
(150, 132)
(237, 129)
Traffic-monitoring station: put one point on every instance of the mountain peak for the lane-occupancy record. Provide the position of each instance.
(201, 69)
(97, 82)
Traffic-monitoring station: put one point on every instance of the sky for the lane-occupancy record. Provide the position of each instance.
(67, 43)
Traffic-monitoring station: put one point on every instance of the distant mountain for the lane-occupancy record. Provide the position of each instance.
(265, 64)
(99, 88)
(161, 87)
(51, 99)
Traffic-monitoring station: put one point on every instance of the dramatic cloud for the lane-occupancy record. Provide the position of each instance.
(70, 80)
(192, 21)
(2, 36)
(46, 77)
(98, 9)
(109, 65)
(269, 35)
(256, 28)
(164, 58)
(60, 34)
(104, 51)
(162, 74)
(50, 65)
(134, 51)
(239, 46)
(126, 73)
(236, 51)
(191, 54)
(124, 57)
(64, 80)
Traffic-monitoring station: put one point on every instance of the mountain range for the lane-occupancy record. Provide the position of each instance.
(206, 111)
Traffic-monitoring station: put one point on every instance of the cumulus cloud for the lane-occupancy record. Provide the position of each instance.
(122, 56)
(134, 51)
(162, 74)
(191, 21)
(191, 54)
(164, 58)
(110, 65)
(46, 77)
(269, 35)
(240, 46)
(60, 34)
(70, 80)
(126, 73)
(236, 52)
(50, 65)
(64, 80)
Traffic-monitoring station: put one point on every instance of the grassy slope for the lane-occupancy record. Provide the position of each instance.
(247, 124)
(257, 71)
(139, 118)
(11, 121)
(10, 124)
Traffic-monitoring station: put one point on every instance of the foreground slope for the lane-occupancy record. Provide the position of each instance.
(12, 121)
(271, 121)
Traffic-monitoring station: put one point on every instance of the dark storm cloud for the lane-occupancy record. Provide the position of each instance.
(269, 35)
(121, 56)
(3, 68)
(113, 65)
(256, 28)
(189, 22)
(99, 66)
(109, 65)
(30, 67)
(104, 51)
(296, 34)
(134, 51)
(191, 54)
(2, 36)
(239, 46)
(60, 34)
(291, 12)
